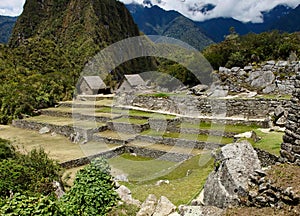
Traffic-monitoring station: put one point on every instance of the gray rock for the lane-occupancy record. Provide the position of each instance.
(164, 207)
(44, 130)
(281, 121)
(224, 70)
(269, 89)
(125, 195)
(248, 68)
(199, 89)
(254, 75)
(148, 207)
(272, 62)
(279, 111)
(200, 211)
(235, 69)
(282, 63)
(234, 164)
(59, 192)
(264, 80)
(121, 177)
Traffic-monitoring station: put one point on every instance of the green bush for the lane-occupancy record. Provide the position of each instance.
(6, 149)
(93, 191)
(30, 205)
(28, 174)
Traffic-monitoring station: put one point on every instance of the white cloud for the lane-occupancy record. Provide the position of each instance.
(11, 7)
(243, 10)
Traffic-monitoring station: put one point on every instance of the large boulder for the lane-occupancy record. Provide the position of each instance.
(229, 181)
(164, 207)
(264, 80)
(125, 195)
(148, 207)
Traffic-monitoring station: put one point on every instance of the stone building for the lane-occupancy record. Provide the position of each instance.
(91, 85)
(131, 82)
(290, 148)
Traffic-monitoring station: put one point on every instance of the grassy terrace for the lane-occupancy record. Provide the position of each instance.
(198, 137)
(143, 173)
(218, 127)
(104, 102)
(131, 121)
(84, 111)
(61, 121)
(137, 113)
(166, 148)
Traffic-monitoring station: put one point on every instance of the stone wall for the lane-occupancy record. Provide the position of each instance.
(290, 148)
(144, 152)
(195, 106)
(123, 127)
(183, 143)
(65, 130)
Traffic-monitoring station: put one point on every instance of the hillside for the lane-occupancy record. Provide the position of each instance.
(156, 21)
(50, 44)
(6, 26)
(290, 22)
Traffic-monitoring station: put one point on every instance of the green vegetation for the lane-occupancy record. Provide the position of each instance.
(241, 50)
(182, 188)
(135, 113)
(218, 127)
(93, 191)
(26, 186)
(270, 142)
(131, 121)
(198, 137)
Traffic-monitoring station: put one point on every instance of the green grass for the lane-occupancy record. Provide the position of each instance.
(198, 137)
(276, 96)
(131, 121)
(218, 127)
(62, 121)
(270, 142)
(140, 168)
(182, 189)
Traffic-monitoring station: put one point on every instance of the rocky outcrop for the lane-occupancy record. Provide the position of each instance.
(125, 195)
(154, 207)
(229, 181)
(269, 77)
(290, 148)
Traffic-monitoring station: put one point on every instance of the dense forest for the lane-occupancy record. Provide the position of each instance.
(238, 50)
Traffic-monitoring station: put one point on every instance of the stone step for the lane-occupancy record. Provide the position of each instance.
(166, 148)
(181, 141)
(128, 125)
(86, 104)
(113, 137)
(79, 114)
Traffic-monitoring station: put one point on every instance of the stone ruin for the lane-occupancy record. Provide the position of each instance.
(290, 148)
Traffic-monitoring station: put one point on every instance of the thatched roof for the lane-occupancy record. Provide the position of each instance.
(135, 80)
(94, 82)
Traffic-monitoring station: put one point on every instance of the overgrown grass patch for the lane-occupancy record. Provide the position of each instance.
(131, 121)
(182, 188)
(198, 137)
(270, 142)
(238, 128)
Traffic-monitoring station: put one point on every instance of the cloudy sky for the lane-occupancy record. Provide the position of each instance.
(243, 10)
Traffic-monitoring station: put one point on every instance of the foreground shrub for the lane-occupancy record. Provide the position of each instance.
(6, 149)
(30, 205)
(28, 174)
(93, 191)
